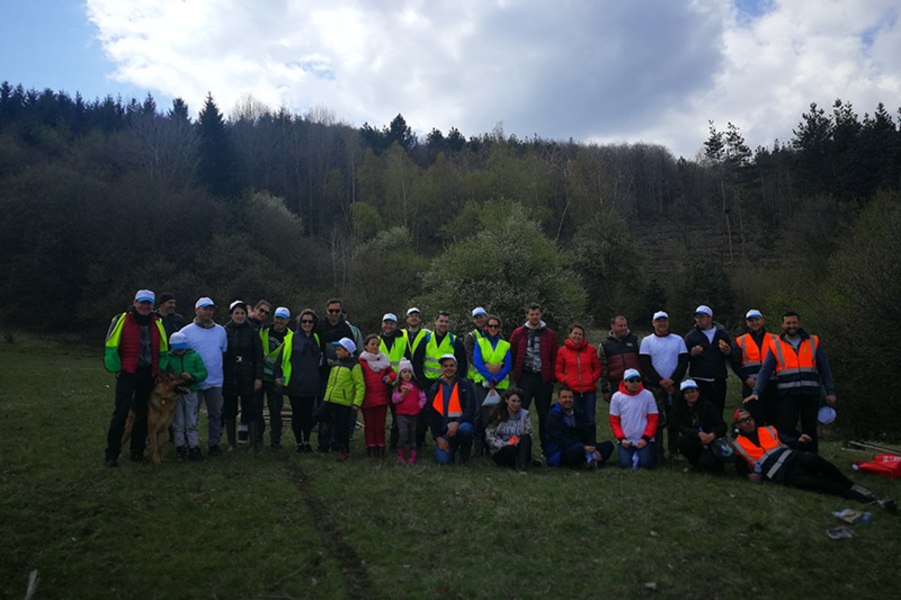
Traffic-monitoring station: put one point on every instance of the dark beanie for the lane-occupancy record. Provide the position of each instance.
(165, 297)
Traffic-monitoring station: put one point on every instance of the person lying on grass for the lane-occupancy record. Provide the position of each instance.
(765, 455)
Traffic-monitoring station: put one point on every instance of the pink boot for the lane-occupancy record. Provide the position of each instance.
(412, 458)
(400, 455)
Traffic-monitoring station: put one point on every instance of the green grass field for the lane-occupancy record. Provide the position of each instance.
(281, 525)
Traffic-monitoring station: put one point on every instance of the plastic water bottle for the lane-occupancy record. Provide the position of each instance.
(757, 468)
(635, 460)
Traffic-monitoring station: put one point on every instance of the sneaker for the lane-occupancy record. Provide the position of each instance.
(136, 457)
(195, 454)
(242, 434)
(307, 449)
(111, 462)
(181, 453)
(889, 506)
(299, 449)
(214, 451)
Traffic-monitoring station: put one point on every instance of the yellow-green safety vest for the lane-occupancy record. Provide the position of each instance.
(493, 356)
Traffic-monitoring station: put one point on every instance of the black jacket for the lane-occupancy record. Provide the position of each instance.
(243, 361)
(711, 364)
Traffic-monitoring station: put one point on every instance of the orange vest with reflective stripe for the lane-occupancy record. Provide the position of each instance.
(751, 354)
(454, 408)
(752, 453)
(796, 369)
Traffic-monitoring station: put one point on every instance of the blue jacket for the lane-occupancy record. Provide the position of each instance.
(437, 422)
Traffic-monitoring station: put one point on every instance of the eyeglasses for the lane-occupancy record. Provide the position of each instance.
(633, 380)
(306, 321)
(745, 420)
(334, 310)
(263, 311)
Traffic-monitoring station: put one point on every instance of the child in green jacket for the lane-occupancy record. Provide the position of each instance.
(187, 363)
(343, 394)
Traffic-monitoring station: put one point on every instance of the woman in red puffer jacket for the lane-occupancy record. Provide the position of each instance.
(579, 369)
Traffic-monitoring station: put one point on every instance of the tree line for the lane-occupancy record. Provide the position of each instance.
(102, 197)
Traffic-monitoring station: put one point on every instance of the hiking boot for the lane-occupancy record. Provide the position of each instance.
(888, 506)
(111, 462)
(299, 449)
(195, 454)
(307, 449)
(412, 457)
(136, 457)
(214, 451)
(181, 453)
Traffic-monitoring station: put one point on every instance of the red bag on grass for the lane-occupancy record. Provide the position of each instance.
(885, 464)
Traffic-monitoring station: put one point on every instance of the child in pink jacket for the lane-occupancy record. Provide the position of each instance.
(408, 400)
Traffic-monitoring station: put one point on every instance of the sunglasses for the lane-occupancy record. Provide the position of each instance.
(263, 311)
(494, 326)
(306, 321)
(633, 380)
(334, 310)
(745, 420)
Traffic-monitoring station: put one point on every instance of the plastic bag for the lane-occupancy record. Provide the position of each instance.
(885, 464)
(491, 398)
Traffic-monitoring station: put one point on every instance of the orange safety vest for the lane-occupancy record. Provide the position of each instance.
(751, 354)
(454, 408)
(756, 455)
(796, 368)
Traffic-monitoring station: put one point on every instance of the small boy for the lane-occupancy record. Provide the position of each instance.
(185, 362)
(343, 394)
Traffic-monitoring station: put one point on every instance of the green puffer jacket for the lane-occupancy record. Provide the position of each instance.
(190, 363)
(345, 383)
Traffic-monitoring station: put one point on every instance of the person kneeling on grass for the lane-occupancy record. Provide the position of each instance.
(701, 429)
(185, 362)
(509, 432)
(767, 455)
(343, 394)
(450, 412)
(633, 418)
(570, 438)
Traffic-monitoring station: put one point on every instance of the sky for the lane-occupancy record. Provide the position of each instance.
(596, 71)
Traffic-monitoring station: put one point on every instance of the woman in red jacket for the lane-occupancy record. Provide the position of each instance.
(579, 369)
(377, 375)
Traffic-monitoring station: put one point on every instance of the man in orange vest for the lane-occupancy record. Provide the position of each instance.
(748, 353)
(450, 410)
(801, 370)
(764, 455)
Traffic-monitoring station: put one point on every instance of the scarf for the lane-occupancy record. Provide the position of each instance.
(376, 362)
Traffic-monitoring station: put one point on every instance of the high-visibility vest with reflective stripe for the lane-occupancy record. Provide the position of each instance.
(416, 339)
(111, 359)
(473, 372)
(796, 369)
(270, 357)
(431, 366)
(493, 356)
(286, 356)
(398, 350)
(770, 445)
(454, 408)
(751, 354)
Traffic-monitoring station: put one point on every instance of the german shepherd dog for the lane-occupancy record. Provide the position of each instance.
(160, 412)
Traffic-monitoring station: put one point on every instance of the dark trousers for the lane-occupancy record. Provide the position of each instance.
(251, 407)
(666, 423)
(275, 400)
(793, 406)
(765, 409)
(714, 392)
(812, 472)
(132, 392)
(699, 456)
(302, 417)
(518, 456)
(334, 419)
(535, 388)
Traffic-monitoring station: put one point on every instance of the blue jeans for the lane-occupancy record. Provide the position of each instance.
(462, 441)
(213, 398)
(184, 425)
(647, 456)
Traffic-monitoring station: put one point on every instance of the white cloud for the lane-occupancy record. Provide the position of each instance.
(652, 71)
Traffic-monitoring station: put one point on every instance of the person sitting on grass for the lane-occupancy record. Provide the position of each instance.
(633, 418)
(343, 394)
(509, 432)
(450, 411)
(187, 364)
(765, 455)
(700, 425)
(570, 436)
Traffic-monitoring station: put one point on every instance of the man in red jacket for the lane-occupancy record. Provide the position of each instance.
(136, 351)
(533, 348)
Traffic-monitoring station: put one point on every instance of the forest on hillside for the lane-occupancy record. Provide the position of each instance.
(99, 198)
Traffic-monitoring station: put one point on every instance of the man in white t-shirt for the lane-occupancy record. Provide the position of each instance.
(664, 358)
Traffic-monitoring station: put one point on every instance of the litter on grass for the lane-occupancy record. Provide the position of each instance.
(840, 533)
(853, 517)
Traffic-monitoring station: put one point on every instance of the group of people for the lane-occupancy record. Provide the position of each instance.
(473, 392)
